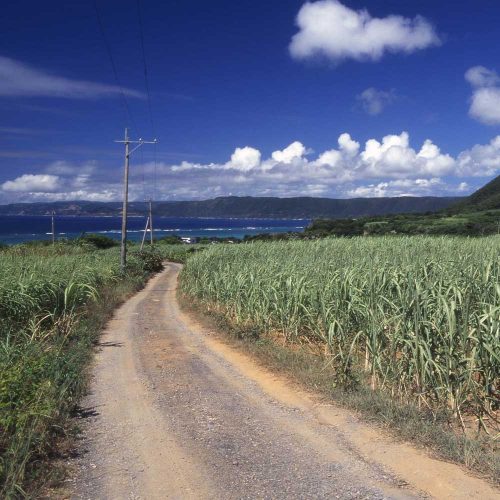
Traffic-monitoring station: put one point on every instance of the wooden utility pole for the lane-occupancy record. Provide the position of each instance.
(151, 220)
(53, 228)
(123, 248)
(149, 225)
(128, 152)
(144, 234)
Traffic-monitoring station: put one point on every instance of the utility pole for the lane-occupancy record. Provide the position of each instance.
(53, 228)
(144, 234)
(151, 220)
(128, 152)
(123, 247)
(149, 225)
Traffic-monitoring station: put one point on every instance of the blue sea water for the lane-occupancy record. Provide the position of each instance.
(20, 228)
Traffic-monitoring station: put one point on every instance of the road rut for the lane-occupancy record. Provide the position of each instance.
(173, 412)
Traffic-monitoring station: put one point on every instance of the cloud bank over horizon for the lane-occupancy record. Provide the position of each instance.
(390, 166)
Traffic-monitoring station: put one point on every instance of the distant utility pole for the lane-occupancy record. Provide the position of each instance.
(53, 228)
(149, 225)
(128, 152)
(144, 234)
(151, 220)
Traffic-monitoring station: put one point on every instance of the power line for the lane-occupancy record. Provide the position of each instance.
(146, 80)
(143, 179)
(154, 174)
(113, 65)
(148, 93)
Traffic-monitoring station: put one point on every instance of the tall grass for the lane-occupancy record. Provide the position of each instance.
(53, 300)
(417, 317)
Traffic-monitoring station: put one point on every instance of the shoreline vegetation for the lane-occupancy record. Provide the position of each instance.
(470, 223)
(403, 329)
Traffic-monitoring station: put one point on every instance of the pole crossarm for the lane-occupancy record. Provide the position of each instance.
(139, 143)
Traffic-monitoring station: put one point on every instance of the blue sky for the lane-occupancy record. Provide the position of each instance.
(288, 98)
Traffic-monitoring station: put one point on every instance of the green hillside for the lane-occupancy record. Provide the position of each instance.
(486, 198)
(476, 215)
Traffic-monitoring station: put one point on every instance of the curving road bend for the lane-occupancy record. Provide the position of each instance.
(174, 413)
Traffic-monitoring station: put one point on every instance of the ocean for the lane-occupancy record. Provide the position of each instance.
(20, 228)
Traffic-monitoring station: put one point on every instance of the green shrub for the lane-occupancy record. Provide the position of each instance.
(170, 240)
(98, 240)
(149, 260)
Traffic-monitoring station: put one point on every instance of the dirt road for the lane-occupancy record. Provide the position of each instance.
(175, 413)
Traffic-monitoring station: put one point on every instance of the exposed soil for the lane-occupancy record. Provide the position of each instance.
(174, 412)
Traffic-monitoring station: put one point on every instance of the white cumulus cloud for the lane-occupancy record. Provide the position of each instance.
(482, 160)
(485, 105)
(295, 150)
(485, 100)
(44, 183)
(330, 29)
(245, 159)
(389, 166)
(392, 158)
(347, 144)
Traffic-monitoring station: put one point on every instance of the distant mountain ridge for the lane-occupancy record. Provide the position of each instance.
(248, 206)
